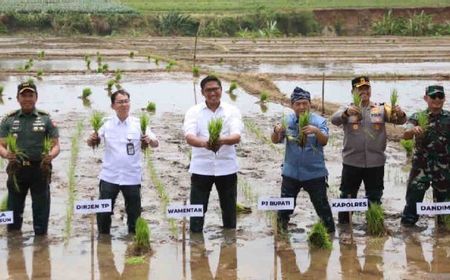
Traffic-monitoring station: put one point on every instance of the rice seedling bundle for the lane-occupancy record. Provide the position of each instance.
(195, 71)
(1, 90)
(144, 121)
(242, 209)
(264, 96)
(394, 100)
(214, 129)
(319, 238)
(422, 120)
(11, 146)
(86, 93)
(97, 120)
(303, 120)
(408, 145)
(375, 220)
(142, 237)
(151, 107)
(233, 86)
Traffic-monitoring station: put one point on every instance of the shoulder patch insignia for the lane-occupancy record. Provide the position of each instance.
(42, 112)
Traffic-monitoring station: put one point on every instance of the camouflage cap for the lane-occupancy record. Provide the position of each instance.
(360, 81)
(433, 89)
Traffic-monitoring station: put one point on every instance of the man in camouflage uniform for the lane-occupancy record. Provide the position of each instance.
(29, 169)
(430, 164)
(364, 144)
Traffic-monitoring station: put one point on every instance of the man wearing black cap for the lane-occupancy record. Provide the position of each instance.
(304, 164)
(364, 144)
(431, 161)
(30, 170)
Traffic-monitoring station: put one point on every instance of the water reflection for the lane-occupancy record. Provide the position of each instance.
(373, 259)
(107, 267)
(317, 265)
(415, 256)
(199, 262)
(41, 267)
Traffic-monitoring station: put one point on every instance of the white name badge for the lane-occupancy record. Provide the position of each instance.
(6, 217)
(181, 211)
(93, 206)
(275, 203)
(437, 208)
(349, 204)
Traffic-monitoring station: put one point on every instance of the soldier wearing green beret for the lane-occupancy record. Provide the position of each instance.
(28, 167)
(431, 160)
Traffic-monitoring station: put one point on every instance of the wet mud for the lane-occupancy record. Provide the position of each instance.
(250, 252)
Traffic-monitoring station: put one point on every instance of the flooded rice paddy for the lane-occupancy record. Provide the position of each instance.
(252, 251)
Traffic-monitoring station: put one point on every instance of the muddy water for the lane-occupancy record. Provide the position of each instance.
(49, 65)
(418, 68)
(410, 92)
(248, 253)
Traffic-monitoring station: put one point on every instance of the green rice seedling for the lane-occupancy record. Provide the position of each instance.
(356, 98)
(195, 71)
(105, 68)
(253, 127)
(11, 146)
(74, 151)
(135, 260)
(173, 226)
(303, 120)
(242, 209)
(214, 129)
(170, 65)
(233, 86)
(110, 84)
(319, 238)
(86, 93)
(284, 123)
(118, 75)
(131, 55)
(375, 220)
(88, 62)
(97, 120)
(41, 54)
(151, 107)
(394, 100)
(264, 96)
(1, 89)
(156, 61)
(446, 221)
(408, 145)
(30, 81)
(142, 237)
(4, 204)
(144, 121)
(39, 74)
(99, 59)
(149, 58)
(47, 145)
(422, 120)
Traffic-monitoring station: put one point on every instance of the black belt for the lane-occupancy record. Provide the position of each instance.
(30, 162)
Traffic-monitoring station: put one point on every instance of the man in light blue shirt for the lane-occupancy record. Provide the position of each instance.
(304, 164)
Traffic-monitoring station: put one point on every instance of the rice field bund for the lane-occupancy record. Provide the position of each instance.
(75, 77)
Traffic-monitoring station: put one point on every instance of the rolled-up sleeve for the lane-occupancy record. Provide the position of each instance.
(336, 119)
(324, 127)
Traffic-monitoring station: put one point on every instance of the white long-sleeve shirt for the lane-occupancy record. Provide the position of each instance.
(120, 167)
(204, 161)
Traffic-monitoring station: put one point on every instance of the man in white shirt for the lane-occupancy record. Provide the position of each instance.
(213, 164)
(122, 167)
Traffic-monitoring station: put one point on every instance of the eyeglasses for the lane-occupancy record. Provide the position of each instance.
(124, 101)
(214, 89)
(439, 95)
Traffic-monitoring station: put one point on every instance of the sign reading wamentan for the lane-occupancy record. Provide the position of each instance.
(181, 211)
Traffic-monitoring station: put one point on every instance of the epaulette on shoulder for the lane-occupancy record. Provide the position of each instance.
(40, 112)
(12, 113)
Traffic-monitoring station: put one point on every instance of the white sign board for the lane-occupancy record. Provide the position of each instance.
(437, 208)
(181, 211)
(6, 217)
(93, 206)
(349, 204)
(275, 203)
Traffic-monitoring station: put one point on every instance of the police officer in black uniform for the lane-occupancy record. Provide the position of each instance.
(29, 169)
